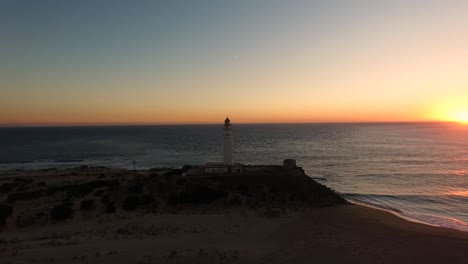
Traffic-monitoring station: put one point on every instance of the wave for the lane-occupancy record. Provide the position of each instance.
(17, 161)
(438, 221)
(380, 201)
(385, 196)
(41, 161)
(378, 205)
(68, 160)
(320, 178)
(68, 163)
(413, 197)
(405, 174)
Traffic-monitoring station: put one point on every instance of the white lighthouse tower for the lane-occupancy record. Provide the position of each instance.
(227, 166)
(227, 158)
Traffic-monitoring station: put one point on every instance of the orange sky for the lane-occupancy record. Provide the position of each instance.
(282, 63)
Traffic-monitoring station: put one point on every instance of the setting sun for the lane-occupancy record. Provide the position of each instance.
(461, 116)
(452, 110)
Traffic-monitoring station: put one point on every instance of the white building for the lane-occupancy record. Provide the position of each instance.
(227, 166)
(218, 167)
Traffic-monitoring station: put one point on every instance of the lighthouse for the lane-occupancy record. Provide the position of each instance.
(227, 157)
(225, 167)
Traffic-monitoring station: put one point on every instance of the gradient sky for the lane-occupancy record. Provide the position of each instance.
(138, 62)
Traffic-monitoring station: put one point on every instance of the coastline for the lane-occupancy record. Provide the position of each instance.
(462, 226)
(214, 232)
(395, 214)
(72, 164)
(448, 219)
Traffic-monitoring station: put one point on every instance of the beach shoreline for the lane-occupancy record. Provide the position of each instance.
(461, 226)
(221, 231)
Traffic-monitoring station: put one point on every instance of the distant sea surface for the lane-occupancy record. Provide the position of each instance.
(416, 170)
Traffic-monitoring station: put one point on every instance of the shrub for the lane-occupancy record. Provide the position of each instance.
(40, 215)
(131, 203)
(5, 212)
(87, 205)
(24, 195)
(23, 180)
(205, 194)
(197, 195)
(153, 175)
(157, 169)
(109, 208)
(25, 221)
(6, 188)
(174, 172)
(147, 199)
(186, 168)
(136, 187)
(98, 193)
(82, 188)
(243, 189)
(181, 181)
(235, 200)
(273, 212)
(61, 212)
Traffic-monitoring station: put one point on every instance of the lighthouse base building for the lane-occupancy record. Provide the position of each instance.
(214, 168)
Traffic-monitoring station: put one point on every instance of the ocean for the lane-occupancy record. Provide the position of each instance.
(418, 171)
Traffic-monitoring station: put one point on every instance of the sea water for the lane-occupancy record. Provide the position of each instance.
(416, 170)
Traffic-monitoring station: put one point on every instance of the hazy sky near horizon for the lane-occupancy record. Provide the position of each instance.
(108, 62)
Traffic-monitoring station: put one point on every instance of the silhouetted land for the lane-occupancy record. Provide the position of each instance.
(271, 215)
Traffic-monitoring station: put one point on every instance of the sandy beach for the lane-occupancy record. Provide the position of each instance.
(216, 233)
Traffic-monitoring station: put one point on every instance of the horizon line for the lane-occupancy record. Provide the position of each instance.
(193, 124)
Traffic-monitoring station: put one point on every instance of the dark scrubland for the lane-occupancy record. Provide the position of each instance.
(62, 194)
